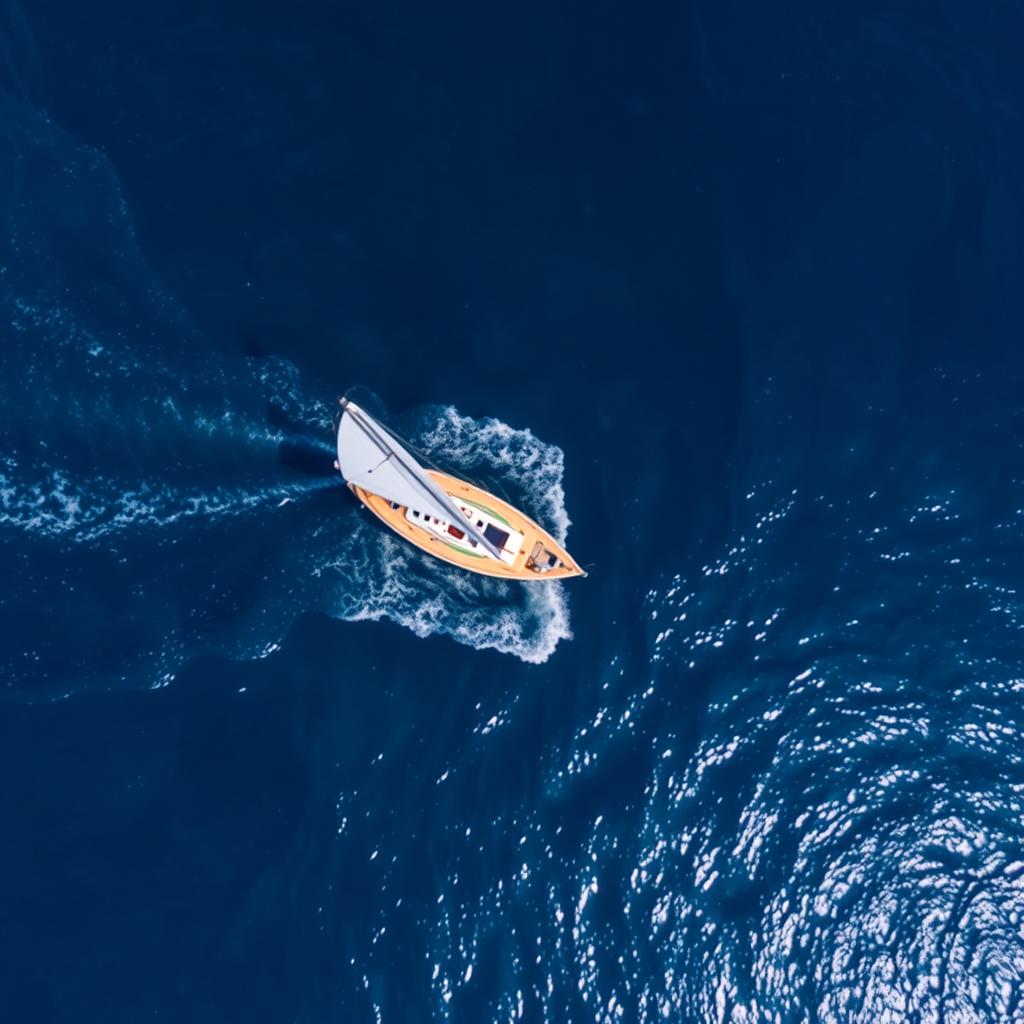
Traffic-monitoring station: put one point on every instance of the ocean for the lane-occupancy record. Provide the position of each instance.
(725, 296)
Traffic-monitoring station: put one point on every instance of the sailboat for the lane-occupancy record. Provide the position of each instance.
(447, 517)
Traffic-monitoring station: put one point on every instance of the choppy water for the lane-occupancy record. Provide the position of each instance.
(265, 762)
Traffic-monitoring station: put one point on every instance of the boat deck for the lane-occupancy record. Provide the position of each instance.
(524, 538)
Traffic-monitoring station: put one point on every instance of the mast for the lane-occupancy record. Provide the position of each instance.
(394, 459)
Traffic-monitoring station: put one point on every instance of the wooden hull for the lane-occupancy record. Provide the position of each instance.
(439, 547)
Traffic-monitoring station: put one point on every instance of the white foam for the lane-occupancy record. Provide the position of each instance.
(176, 436)
(534, 467)
(384, 578)
(91, 509)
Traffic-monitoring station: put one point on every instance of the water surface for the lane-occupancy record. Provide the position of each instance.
(727, 299)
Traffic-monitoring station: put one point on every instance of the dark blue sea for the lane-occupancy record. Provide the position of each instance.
(726, 295)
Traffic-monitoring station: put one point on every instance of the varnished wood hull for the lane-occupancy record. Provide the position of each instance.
(437, 546)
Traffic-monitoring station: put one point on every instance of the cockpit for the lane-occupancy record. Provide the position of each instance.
(542, 560)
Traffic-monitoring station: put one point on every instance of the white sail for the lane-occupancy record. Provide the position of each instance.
(373, 459)
(363, 461)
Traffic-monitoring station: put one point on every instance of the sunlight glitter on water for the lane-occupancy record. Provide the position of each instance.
(829, 851)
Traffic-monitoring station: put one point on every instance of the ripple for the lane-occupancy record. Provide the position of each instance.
(844, 841)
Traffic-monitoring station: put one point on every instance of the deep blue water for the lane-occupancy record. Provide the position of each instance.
(728, 296)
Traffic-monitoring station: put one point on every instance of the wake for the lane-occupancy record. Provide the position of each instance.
(160, 499)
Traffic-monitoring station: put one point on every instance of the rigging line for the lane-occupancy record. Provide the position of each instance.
(433, 465)
(382, 445)
(423, 482)
(408, 444)
(420, 453)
